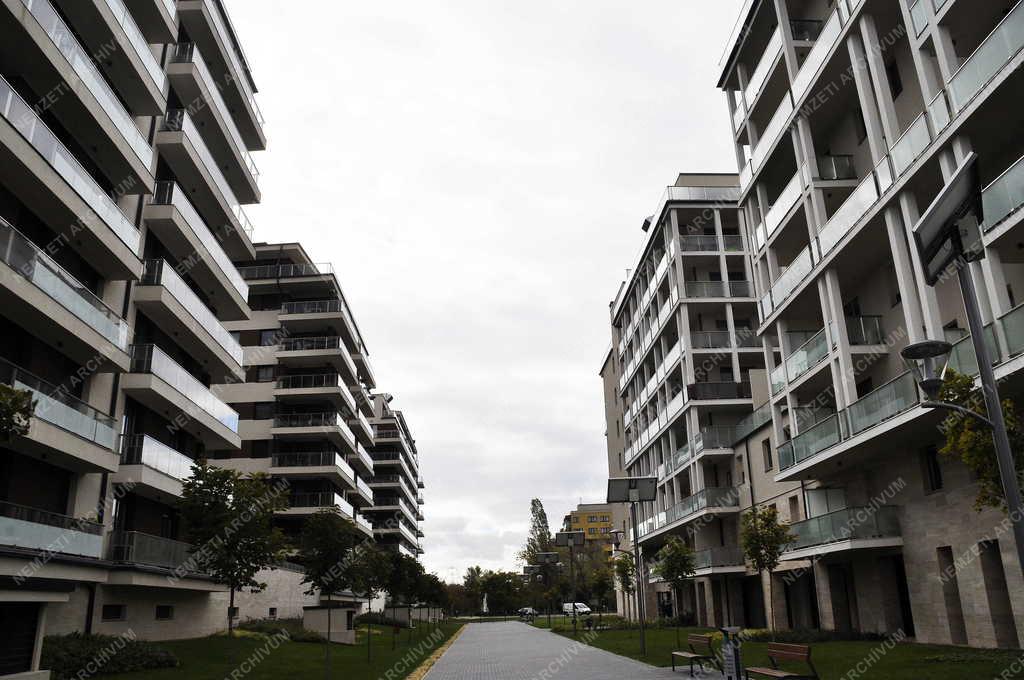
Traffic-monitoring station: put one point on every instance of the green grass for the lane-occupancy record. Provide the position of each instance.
(214, 658)
(560, 622)
(905, 661)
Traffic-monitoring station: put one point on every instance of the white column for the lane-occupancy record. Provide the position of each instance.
(883, 92)
(866, 96)
(931, 315)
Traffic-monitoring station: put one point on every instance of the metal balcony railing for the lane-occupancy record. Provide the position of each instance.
(285, 271)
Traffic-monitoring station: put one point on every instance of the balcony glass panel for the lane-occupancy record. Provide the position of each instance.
(865, 330)
(796, 272)
(847, 215)
(699, 243)
(891, 399)
(846, 524)
(764, 67)
(310, 344)
(135, 547)
(816, 56)
(179, 120)
(752, 422)
(188, 53)
(160, 273)
(312, 381)
(738, 114)
(169, 193)
(910, 145)
(719, 390)
(1004, 196)
(26, 259)
(284, 271)
(721, 556)
(240, 76)
(836, 167)
(778, 378)
(711, 339)
(938, 109)
(811, 442)
(151, 359)
(783, 204)
(25, 527)
(963, 358)
(138, 41)
(140, 449)
(55, 406)
(714, 438)
(807, 355)
(81, 61)
(1013, 328)
(25, 121)
(1003, 43)
(919, 16)
(320, 499)
(772, 131)
(312, 307)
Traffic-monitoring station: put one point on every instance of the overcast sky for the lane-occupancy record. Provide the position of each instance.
(477, 171)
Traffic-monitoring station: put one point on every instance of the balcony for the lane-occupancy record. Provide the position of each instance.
(742, 339)
(315, 352)
(194, 244)
(32, 529)
(152, 468)
(82, 323)
(66, 193)
(364, 524)
(888, 401)
(988, 59)
(314, 464)
(708, 243)
(364, 493)
(361, 428)
(66, 430)
(765, 66)
(182, 146)
(194, 83)
(175, 307)
(772, 133)
(310, 503)
(787, 200)
(910, 145)
(715, 391)
(824, 41)
(710, 438)
(1003, 197)
(157, 19)
(848, 529)
(806, 30)
(753, 422)
(206, 24)
(711, 499)
(718, 289)
(311, 316)
(321, 386)
(807, 356)
(836, 168)
(722, 558)
(329, 425)
(963, 359)
(137, 548)
(164, 386)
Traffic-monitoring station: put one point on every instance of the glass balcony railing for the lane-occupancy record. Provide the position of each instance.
(169, 193)
(1004, 196)
(188, 53)
(711, 497)
(309, 381)
(787, 282)
(778, 378)
(34, 529)
(807, 355)
(704, 391)
(895, 397)
(320, 499)
(710, 339)
(963, 358)
(81, 61)
(716, 289)
(1013, 329)
(806, 30)
(982, 66)
(847, 215)
(160, 273)
(153, 360)
(134, 547)
(764, 68)
(827, 37)
(240, 76)
(836, 167)
(30, 262)
(772, 131)
(179, 120)
(752, 422)
(25, 121)
(865, 330)
(312, 459)
(911, 144)
(919, 16)
(141, 449)
(364, 523)
(320, 419)
(788, 197)
(721, 556)
(699, 243)
(367, 491)
(312, 307)
(714, 438)
(855, 523)
(310, 344)
(55, 406)
(138, 41)
(284, 271)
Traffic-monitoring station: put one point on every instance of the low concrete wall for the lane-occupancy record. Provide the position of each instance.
(315, 619)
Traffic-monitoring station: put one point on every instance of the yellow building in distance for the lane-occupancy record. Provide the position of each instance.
(597, 521)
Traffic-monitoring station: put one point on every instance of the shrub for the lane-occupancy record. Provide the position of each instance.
(803, 636)
(291, 627)
(67, 655)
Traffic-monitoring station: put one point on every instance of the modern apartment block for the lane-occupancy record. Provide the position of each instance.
(597, 521)
(848, 117)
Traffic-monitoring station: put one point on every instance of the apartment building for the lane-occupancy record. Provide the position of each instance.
(848, 117)
(397, 485)
(597, 521)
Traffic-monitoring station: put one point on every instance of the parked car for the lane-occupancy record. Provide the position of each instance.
(527, 612)
(581, 609)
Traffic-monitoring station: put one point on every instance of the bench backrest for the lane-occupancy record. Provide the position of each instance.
(699, 641)
(777, 650)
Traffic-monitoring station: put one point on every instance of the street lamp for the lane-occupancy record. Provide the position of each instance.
(634, 490)
(571, 540)
(939, 237)
(545, 562)
(617, 535)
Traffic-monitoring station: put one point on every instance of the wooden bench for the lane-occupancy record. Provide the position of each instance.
(706, 653)
(780, 652)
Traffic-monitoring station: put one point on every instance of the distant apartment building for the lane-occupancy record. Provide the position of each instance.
(597, 521)
(847, 118)
(397, 485)
(134, 310)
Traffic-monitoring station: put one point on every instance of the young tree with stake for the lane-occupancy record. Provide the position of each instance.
(764, 538)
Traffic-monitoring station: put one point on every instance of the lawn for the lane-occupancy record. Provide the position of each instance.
(214, 658)
(906, 661)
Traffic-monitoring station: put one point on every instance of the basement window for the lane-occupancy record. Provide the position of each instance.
(114, 612)
(164, 612)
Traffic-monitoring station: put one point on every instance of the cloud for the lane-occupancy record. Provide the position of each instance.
(477, 172)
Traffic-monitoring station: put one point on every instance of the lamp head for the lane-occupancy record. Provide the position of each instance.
(928, 360)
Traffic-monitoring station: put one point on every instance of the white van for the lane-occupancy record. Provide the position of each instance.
(581, 609)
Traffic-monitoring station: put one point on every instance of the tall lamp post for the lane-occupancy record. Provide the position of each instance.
(939, 237)
(547, 561)
(634, 490)
(571, 540)
(616, 543)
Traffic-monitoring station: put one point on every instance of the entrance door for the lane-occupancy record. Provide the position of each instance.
(18, 622)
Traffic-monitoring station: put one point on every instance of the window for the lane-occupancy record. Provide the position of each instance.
(272, 614)
(794, 509)
(895, 82)
(931, 469)
(766, 452)
(233, 612)
(265, 374)
(592, 531)
(741, 477)
(268, 338)
(164, 612)
(114, 612)
(263, 410)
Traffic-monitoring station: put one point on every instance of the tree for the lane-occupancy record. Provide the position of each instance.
(433, 592)
(971, 440)
(373, 570)
(675, 563)
(327, 549)
(601, 585)
(402, 583)
(763, 539)
(539, 539)
(625, 574)
(503, 590)
(16, 409)
(473, 582)
(229, 520)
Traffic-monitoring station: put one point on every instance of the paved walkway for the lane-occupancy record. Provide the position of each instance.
(516, 651)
